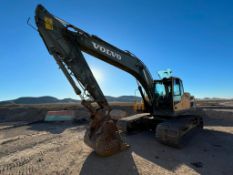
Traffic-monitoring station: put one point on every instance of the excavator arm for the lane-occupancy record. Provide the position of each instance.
(66, 43)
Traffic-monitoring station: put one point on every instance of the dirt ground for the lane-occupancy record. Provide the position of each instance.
(58, 148)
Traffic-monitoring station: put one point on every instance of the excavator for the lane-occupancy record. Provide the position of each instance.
(168, 110)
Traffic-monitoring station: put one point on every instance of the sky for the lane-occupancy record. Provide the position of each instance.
(194, 38)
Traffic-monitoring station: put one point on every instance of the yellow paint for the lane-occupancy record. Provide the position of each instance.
(138, 106)
(48, 23)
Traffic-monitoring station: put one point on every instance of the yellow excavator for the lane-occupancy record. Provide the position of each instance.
(168, 110)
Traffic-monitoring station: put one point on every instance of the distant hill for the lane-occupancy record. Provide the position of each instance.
(48, 99)
(32, 100)
(125, 98)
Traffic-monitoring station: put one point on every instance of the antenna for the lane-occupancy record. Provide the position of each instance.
(29, 23)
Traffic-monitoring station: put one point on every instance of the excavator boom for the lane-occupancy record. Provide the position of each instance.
(121, 59)
(67, 39)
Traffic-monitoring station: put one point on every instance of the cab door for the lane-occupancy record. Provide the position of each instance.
(181, 100)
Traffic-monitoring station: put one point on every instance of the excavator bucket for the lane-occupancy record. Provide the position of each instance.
(103, 135)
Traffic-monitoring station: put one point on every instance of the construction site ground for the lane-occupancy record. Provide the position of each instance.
(35, 147)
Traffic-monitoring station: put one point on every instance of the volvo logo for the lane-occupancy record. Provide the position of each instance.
(106, 51)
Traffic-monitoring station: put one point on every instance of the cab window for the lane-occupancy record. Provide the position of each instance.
(178, 90)
(160, 89)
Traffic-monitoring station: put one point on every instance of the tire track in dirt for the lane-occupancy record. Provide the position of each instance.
(69, 157)
(23, 142)
(40, 151)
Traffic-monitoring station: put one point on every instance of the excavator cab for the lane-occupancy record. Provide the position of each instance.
(170, 96)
